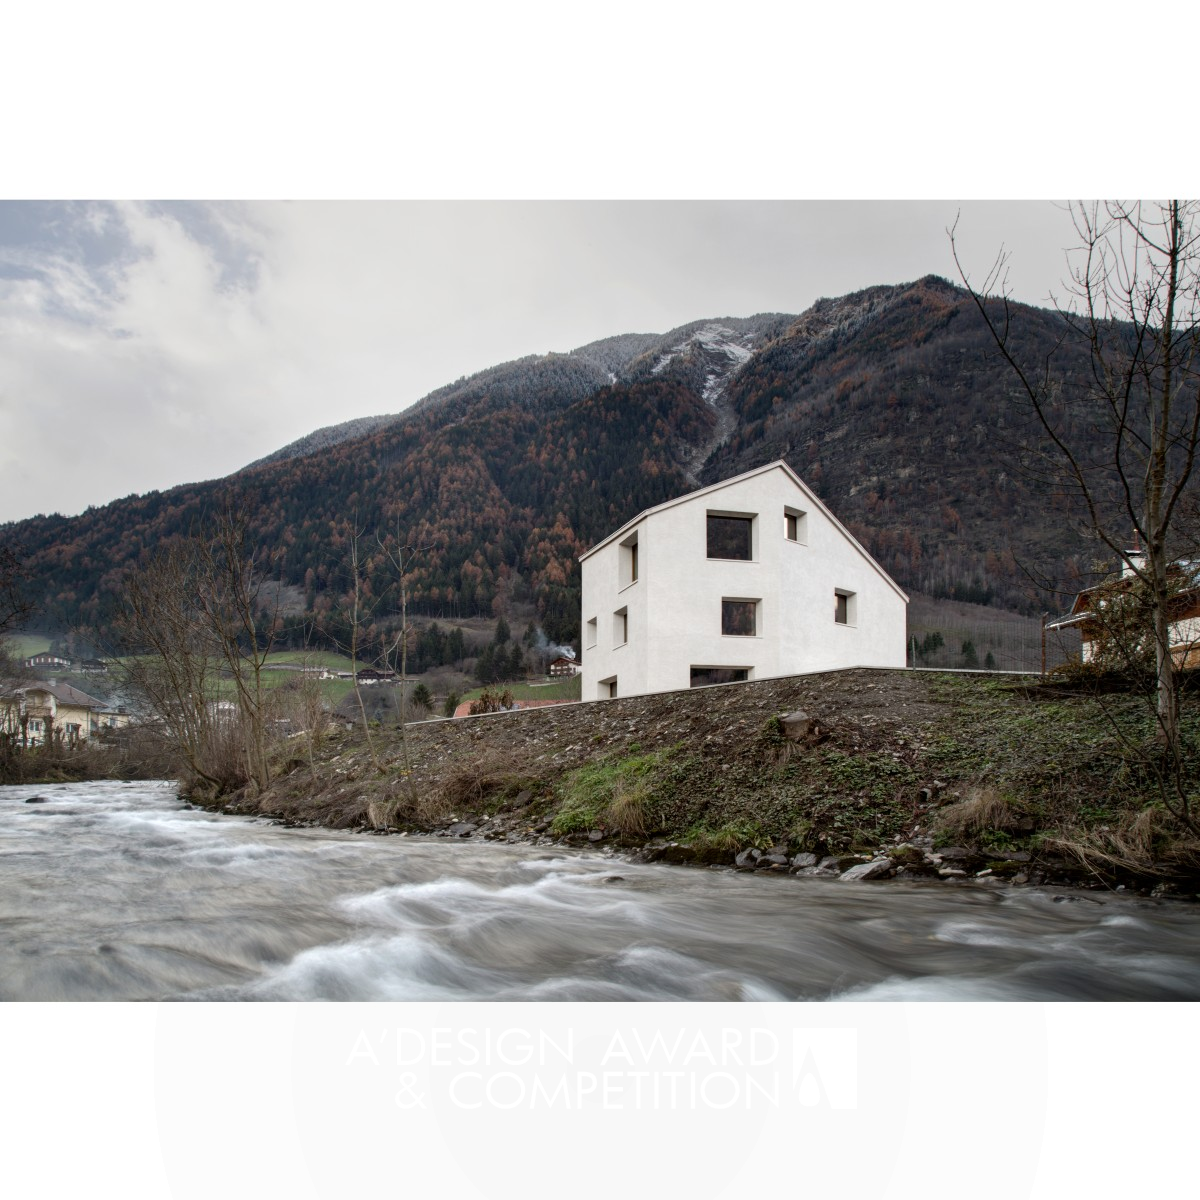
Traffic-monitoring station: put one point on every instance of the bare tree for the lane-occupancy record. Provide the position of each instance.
(400, 558)
(231, 574)
(194, 618)
(171, 659)
(1123, 443)
(14, 607)
(357, 609)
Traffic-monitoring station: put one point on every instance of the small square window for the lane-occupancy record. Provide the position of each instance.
(795, 525)
(739, 618)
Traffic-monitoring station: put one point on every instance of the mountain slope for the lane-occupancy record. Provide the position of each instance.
(889, 402)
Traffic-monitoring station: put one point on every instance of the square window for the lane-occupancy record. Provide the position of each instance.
(795, 525)
(739, 618)
(731, 537)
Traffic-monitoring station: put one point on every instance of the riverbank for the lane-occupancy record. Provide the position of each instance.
(884, 774)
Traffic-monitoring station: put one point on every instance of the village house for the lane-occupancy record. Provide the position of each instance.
(563, 668)
(48, 662)
(46, 711)
(1105, 622)
(746, 579)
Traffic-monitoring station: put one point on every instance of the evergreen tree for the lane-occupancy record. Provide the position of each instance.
(485, 667)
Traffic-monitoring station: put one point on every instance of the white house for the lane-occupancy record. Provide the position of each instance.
(747, 579)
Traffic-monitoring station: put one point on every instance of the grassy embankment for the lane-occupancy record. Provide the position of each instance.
(998, 764)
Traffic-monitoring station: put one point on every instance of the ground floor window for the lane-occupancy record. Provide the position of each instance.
(706, 676)
(606, 689)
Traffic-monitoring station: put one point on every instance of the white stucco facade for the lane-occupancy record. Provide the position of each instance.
(799, 594)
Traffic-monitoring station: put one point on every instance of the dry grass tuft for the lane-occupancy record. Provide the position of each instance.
(381, 813)
(626, 812)
(985, 810)
(1146, 842)
(472, 783)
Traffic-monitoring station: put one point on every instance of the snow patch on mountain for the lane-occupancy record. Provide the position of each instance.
(725, 353)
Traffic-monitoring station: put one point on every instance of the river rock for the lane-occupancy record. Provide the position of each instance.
(596, 835)
(919, 870)
(462, 829)
(839, 862)
(36, 800)
(879, 868)
(748, 858)
(804, 860)
(674, 852)
(772, 860)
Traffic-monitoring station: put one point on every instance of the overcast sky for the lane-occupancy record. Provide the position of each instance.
(144, 345)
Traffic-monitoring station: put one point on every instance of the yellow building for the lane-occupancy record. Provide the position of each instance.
(54, 711)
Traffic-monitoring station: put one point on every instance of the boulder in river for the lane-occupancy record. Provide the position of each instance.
(771, 860)
(879, 868)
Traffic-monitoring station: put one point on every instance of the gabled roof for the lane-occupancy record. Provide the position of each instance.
(1081, 609)
(64, 693)
(777, 465)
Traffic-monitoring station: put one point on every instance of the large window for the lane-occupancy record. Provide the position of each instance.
(591, 633)
(731, 537)
(707, 676)
(739, 618)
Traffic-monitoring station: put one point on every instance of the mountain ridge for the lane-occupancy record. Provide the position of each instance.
(889, 401)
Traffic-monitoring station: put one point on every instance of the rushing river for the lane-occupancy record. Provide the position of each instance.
(114, 891)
